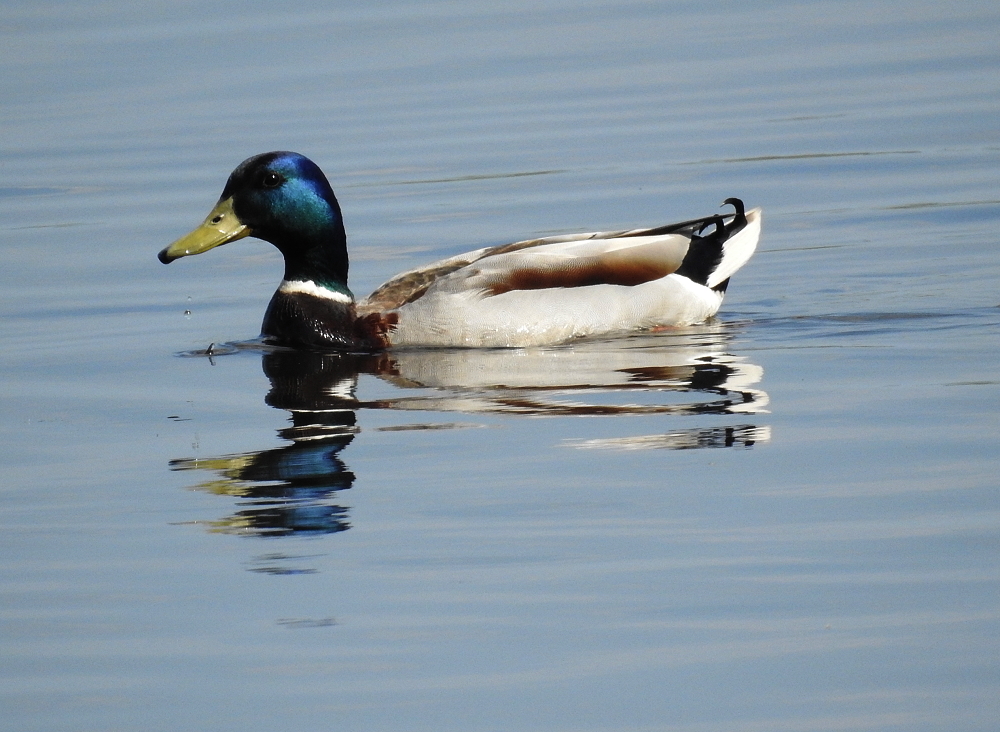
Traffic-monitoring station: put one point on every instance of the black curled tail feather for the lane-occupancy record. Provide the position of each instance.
(705, 252)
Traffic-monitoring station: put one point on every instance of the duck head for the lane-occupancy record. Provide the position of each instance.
(285, 199)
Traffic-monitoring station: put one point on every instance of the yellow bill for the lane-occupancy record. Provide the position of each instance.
(220, 227)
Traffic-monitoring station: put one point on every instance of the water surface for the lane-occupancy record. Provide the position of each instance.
(784, 519)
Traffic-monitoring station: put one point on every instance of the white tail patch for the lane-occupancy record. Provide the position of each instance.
(737, 249)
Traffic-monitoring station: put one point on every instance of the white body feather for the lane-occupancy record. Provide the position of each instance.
(458, 308)
(538, 317)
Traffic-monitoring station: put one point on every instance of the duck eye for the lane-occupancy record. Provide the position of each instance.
(272, 180)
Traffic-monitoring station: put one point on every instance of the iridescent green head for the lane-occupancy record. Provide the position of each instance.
(282, 198)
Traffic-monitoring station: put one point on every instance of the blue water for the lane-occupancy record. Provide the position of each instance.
(786, 519)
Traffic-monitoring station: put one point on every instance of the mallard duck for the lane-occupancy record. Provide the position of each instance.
(535, 292)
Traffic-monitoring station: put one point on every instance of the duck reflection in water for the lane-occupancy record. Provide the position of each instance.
(294, 489)
(291, 489)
